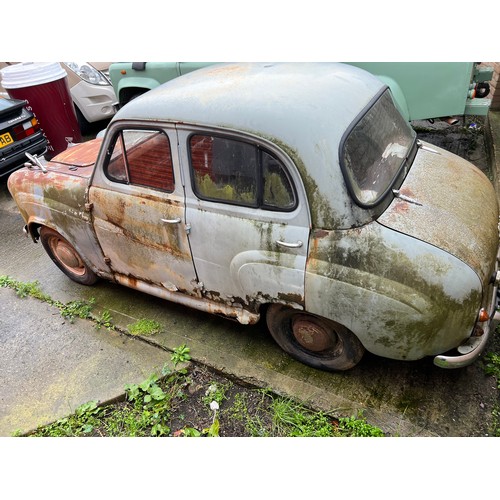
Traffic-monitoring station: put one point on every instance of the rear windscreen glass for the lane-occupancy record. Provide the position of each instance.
(375, 149)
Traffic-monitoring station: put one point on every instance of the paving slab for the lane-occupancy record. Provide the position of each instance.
(49, 366)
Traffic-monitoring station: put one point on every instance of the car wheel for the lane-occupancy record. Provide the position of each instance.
(66, 258)
(312, 340)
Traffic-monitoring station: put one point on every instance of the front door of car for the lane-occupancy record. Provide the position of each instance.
(248, 217)
(138, 210)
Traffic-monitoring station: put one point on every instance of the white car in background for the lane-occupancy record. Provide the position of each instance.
(91, 91)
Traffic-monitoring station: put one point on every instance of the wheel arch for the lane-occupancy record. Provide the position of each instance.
(94, 258)
(126, 93)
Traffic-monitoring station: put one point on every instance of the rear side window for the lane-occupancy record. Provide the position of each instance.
(142, 158)
(237, 172)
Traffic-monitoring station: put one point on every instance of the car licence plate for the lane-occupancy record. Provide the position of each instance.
(5, 140)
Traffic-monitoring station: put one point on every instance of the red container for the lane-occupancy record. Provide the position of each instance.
(45, 87)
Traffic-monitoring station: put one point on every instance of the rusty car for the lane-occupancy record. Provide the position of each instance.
(292, 193)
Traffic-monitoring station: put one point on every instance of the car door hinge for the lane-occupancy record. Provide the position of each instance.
(198, 285)
(188, 228)
(89, 207)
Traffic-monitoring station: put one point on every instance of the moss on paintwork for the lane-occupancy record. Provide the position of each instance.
(66, 203)
(322, 214)
(395, 301)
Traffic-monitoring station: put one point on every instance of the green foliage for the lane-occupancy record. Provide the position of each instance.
(30, 289)
(144, 327)
(256, 421)
(277, 416)
(149, 405)
(295, 420)
(152, 402)
(213, 430)
(491, 363)
(77, 309)
(216, 392)
(181, 355)
(492, 366)
(82, 422)
(71, 310)
(495, 425)
(104, 320)
(190, 432)
(358, 427)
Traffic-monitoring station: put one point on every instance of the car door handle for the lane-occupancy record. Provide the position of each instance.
(171, 221)
(289, 245)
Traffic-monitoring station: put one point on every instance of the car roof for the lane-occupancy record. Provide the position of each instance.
(246, 96)
(305, 108)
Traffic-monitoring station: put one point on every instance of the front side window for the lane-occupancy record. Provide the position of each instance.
(142, 158)
(238, 172)
(375, 149)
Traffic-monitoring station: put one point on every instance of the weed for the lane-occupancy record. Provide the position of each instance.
(30, 289)
(77, 309)
(104, 320)
(495, 424)
(295, 420)
(216, 392)
(180, 355)
(358, 427)
(145, 327)
(82, 422)
(492, 366)
(256, 422)
(70, 311)
(149, 409)
(189, 432)
(278, 416)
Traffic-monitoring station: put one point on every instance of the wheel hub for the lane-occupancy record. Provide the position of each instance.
(311, 335)
(67, 256)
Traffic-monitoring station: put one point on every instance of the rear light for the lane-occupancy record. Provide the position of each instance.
(26, 129)
(483, 316)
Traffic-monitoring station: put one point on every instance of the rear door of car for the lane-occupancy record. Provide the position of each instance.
(247, 216)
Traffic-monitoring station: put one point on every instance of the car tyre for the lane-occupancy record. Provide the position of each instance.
(66, 258)
(312, 340)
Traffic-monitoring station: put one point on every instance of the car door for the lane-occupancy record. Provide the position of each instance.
(248, 217)
(138, 210)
